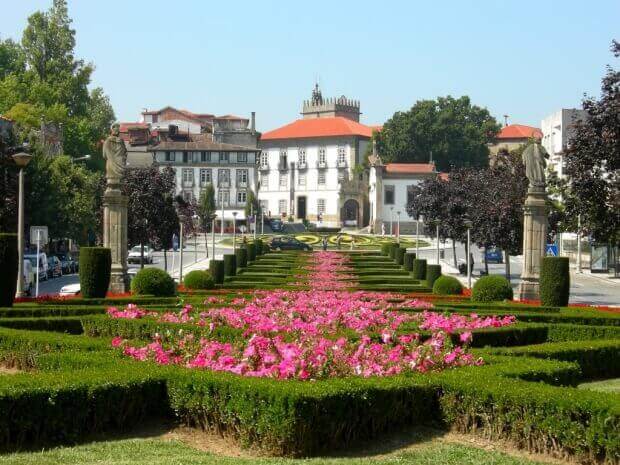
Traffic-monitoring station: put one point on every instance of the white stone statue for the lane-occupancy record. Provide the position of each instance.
(534, 160)
(115, 155)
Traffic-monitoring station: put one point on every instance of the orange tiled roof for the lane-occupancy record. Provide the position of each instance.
(519, 131)
(319, 127)
(410, 168)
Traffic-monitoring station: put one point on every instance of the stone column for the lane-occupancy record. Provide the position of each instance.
(534, 242)
(115, 237)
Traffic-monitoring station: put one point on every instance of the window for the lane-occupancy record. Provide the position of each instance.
(242, 196)
(188, 196)
(264, 159)
(282, 207)
(302, 156)
(170, 156)
(205, 176)
(242, 177)
(321, 178)
(188, 176)
(341, 175)
(410, 194)
(282, 182)
(322, 158)
(283, 159)
(301, 180)
(320, 206)
(223, 196)
(187, 157)
(224, 157)
(264, 182)
(223, 177)
(205, 156)
(342, 155)
(389, 195)
(242, 157)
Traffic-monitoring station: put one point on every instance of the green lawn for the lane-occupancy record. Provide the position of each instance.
(607, 385)
(165, 452)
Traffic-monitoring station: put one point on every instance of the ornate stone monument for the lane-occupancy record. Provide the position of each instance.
(115, 210)
(534, 222)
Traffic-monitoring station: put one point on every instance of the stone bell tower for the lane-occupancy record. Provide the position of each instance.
(318, 107)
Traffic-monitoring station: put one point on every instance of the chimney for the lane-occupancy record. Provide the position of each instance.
(253, 122)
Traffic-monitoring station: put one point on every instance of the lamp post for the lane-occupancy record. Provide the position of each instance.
(181, 245)
(579, 243)
(436, 223)
(222, 221)
(234, 214)
(262, 223)
(391, 222)
(468, 224)
(213, 216)
(418, 218)
(398, 227)
(21, 160)
(196, 219)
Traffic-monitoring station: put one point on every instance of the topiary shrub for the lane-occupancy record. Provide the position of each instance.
(393, 247)
(153, 281)
(447, 285)
(216, 268)
(419, 269)
(433, 272)
(259, 247)
(491, 289)
(241, 256)
(8, 264)
(408, 259)
(230, 265)
(95, 266)
(198, 279)
(399, 255)
(385, 249)
(554, 281)
(251, 248)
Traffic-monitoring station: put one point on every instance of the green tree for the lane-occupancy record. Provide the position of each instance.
(206, 209)
(11, 58)
(452, 132)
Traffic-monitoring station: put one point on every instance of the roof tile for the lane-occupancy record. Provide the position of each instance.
(319, 127)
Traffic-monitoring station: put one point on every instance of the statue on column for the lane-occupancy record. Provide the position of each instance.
(534, 160)
(115, 156)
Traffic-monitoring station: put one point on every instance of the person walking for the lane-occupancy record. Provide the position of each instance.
(324, 243)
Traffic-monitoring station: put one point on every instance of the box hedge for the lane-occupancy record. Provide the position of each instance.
(251, 248)
(408, 259)
(8, 265)
(491, 288)
(447, 285)
(230, 265)
(95, 267)
(198, 279)
(242, 258)
(419, 269)
(216, 268)
(399, 255)
(554, 281)
(385, 249)
(153, 281)
(433, 272)
(260, 250)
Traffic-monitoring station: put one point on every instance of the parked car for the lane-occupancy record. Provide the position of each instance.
(134, 254)
(68, 263)
(54, 267)
(494, 255)
(276, 225)
(42, 266)
(288, 243)
(70, 289)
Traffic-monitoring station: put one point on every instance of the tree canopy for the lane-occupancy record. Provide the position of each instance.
(450, 131)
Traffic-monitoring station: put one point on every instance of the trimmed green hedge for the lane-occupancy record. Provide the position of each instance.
(241, 258)
(230, 265)
(95, 267)
(554, 281)
(408, 259)
(251, 249)
(153, 281)
(385, 249)
(216, 268)
(433, 272)
(491, 288)
(447, 285)
(8, 264)
(419, 269)
(399, 255)
(392, 250)
(198, 279)
(260, 249)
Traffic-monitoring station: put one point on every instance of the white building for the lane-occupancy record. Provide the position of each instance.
(309, 168)
(557, 130)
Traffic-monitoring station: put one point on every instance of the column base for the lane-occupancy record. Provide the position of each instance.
(119, 282)
(528, 290)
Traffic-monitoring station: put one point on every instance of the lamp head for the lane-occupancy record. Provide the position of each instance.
(22, 159)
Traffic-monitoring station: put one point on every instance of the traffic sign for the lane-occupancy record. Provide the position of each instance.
(38, 234)
(552, 250)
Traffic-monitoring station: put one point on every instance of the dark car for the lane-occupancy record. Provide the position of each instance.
(276, 225)
(68, 263)
(54, 267)
(494, 255)
(288, 243)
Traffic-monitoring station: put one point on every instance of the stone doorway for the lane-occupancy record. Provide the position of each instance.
(350, 213)
(301, 207)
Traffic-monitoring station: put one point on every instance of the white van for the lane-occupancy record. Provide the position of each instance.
(32, 258)
(28, 282)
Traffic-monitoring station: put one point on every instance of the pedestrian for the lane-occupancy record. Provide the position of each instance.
(352, 242)
(382, 229)
(245, 242)
(324, 243)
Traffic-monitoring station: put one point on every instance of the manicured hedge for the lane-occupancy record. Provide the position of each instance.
(216, 268)
(392, 250)
(198, 279)
(491, 288)
(419, 269)
(408, 259)
(230, 265)
(399, 255)
(95, 266)
(554, 281)
(260, 250)
(242, 258)
(433, 272)
(153, 281)
(447, 285)
(385, 249)
(251, 248)
(8, 265)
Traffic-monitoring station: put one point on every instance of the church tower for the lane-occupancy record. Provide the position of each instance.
(317, 107)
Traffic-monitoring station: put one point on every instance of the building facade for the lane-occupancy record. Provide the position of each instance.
(557, 129)
(513, 136)
(311, 169)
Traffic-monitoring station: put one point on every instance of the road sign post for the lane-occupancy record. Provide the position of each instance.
(41, 235)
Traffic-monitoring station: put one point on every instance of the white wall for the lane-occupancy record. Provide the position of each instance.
(557, 130)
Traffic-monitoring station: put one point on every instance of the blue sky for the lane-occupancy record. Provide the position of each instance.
(523, 58)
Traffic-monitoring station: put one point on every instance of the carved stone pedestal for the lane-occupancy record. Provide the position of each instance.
(534, 242)
(115, 237)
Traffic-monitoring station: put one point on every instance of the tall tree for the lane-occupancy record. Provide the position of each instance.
(206, 209)
(452, 132)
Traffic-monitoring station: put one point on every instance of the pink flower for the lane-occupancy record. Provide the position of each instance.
(465, 337)
(117, 341)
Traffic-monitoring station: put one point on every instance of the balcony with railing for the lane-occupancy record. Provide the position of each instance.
(342, 163)
(302, 165)
(264, 167)
(223, 183)
(188, 183)
(321, 164)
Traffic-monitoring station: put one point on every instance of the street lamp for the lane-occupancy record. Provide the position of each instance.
(391, 222)
(468, 223)
(234, 214)
(398, 226)
(21, 160)
(213, 217)
(437, 223)
(84, 158)
(579, 243)
(222, 221)
(196, 219)
(418, 218)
